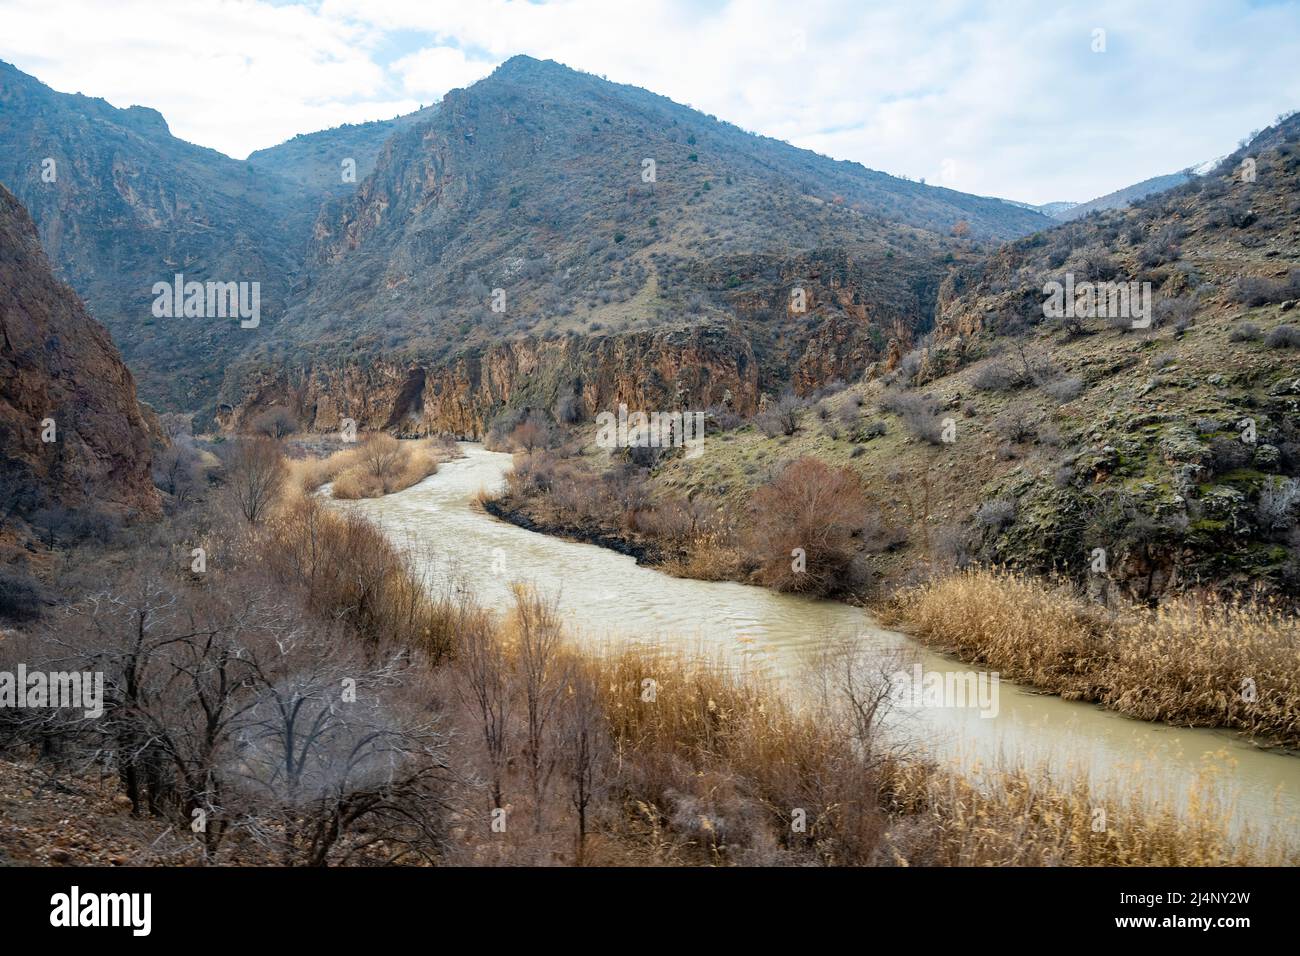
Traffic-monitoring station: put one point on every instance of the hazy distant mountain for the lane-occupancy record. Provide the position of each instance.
(1128, 195)
(1056, 209)
(1051, 209)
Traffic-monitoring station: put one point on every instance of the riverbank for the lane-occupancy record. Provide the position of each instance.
(643, 553)
(680, 758)
(1194, 661)
(1191, 662)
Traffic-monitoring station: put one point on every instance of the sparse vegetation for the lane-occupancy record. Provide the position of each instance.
(1192, 661)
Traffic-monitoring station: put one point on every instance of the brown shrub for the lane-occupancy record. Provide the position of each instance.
(812, 508)
(254, 475)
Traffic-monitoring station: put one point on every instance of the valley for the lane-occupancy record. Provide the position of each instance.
(610, 485)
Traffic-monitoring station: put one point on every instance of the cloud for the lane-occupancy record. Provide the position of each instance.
(430, 73)
(1000, 99)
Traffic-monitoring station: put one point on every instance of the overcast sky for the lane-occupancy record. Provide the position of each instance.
(1006, 99)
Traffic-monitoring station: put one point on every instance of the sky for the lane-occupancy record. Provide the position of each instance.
(1030, 101)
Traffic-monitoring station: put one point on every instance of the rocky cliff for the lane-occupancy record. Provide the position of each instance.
(692, 366)
(71, 431)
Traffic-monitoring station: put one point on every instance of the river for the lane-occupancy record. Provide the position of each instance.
(605, 596)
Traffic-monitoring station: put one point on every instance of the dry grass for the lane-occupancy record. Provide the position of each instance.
(1194, 661)
(708, 765)
(1015, 816)
(349, 572)
(359, 472)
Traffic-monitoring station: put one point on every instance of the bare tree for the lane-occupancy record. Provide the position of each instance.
(543, 676)
(178, 470)
(586, 747)
(255, 473)
(533, 432)
(340, 758)
(485, 688)
(276, 422)
(381, 454)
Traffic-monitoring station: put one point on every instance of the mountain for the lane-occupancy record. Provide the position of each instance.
(656, 282)
(1177, 447)
(1056, 210)
(1126, 196)
(1051, 209)
(1170, 454)
(625, 232)
(316, 161)
(61, 379)
(121, 204)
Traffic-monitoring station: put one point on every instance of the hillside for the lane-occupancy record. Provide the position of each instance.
(537, 181)
(130, 205)
(1175, 449)
(59, 366)
(1122, 197)
(315, 160)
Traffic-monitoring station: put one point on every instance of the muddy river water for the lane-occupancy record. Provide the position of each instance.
(606, 597)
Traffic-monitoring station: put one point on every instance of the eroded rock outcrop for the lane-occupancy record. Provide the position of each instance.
(694, 367)
(61, 378)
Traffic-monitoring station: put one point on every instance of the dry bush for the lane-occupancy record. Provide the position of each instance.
(348, 571)
(1195, 661)
(782, 418)
(814, 507)
(673, 758)
(254, 475)
(1019, 816)
(224, 703)
(277, 422)
(380, 465)
(919, 414)
(178, 470)
(519, 429)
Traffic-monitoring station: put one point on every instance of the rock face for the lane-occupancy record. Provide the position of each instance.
(120, 204)
(694, 367)
(62, 377)
(543, 203)
(477, 238)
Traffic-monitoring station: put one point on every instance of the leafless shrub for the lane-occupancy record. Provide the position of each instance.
(178, 470)
(998, 375)
(782, 417)
(1013, 426)
(1278, 499)
(339, 758)
(997, 514)
(1176, 313)
(918, 412)
(1064, 389)
(254, 475)
(277, 422)
(1283, 337)
(1252, 291)
(802, 527)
